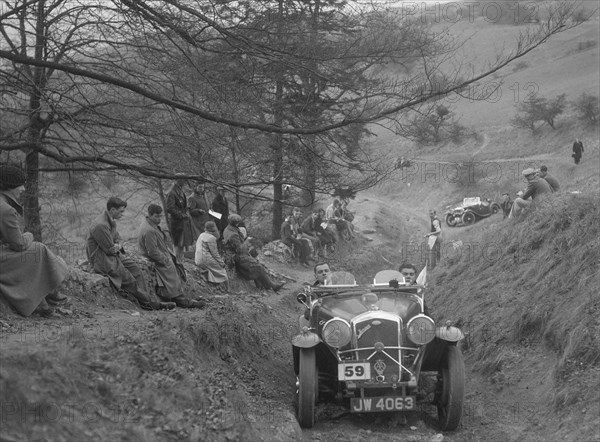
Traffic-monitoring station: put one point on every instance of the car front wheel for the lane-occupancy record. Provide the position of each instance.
(495, 208)
(451, 392)
(450, 220)
(468, 218)
(307, 388)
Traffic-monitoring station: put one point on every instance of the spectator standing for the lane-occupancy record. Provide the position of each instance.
(435, 249)
(208, 258)
(221, 206)
(198, 206)
(553, 182)
(180, 224)
(107, 256)
(536, 189)
(30, 273)
(577, 150)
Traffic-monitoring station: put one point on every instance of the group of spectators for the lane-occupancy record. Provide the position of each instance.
(315, 236)
(539, 185)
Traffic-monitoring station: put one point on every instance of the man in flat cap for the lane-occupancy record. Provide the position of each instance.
(536, 189)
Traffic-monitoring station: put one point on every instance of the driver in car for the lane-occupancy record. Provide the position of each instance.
(321, 271)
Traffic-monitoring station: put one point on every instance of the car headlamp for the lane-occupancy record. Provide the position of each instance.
(421, 329)
(337, 333)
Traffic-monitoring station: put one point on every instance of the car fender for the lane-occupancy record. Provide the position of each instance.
(449, 333)
(306, 339)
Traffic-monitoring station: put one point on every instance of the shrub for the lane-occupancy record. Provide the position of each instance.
(587, 107)
(538, 108)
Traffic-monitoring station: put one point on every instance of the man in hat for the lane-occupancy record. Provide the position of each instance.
(536, 189)
(30, 274)
(543, 173)
(153, 245)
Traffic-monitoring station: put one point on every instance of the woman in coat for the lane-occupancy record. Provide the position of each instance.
(208, 258)
(247, 266)
(31, 273)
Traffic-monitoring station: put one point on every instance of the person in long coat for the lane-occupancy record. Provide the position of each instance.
(208, 258)
(107, 257)
(247, 266)
(30, 273)
(180, 223)
(221, 206)
(152, 242)
(198, 206)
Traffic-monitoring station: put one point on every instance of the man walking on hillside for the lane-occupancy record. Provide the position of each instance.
(577, 150)
(107, 257)
(435, 235)
(536, 189)
(553, 182)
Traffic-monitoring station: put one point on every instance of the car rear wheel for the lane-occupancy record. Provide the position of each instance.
(451, 392)
(468, 218)
(308, 387)
(450, 220)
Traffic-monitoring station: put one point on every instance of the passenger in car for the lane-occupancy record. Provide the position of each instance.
(409, 272)
(321, 271)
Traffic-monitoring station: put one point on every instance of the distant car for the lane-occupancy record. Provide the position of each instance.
(373, 349)
(471, 210)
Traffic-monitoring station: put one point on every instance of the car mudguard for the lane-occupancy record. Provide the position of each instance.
(434, 353)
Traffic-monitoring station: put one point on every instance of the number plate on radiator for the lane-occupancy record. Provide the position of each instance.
(354, 371)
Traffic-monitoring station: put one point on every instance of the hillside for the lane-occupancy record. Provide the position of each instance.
(525, 293)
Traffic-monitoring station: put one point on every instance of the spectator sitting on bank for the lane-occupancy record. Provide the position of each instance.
(293, 240)
(107, 257)
(208, 258)
(30, 274)
(333, 214)
(237, 252)
(536, 189)
(153, 245)
(553, 182)
(309, 230)
(506, 204)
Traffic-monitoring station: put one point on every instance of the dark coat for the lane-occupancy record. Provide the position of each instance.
(198, 211)
(553, 182)
(536, 188)
(180, 223)
(152, 242)
(101, 237)
(29, 270)
(245, 265)
(220, 205)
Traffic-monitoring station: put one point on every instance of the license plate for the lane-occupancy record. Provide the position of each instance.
(355, 371)
(384, 403)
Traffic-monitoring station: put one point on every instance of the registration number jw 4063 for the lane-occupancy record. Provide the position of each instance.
(384, 403)
(355, 371)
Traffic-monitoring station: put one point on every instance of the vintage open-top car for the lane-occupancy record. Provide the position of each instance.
(471, 210)
(373, 348)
